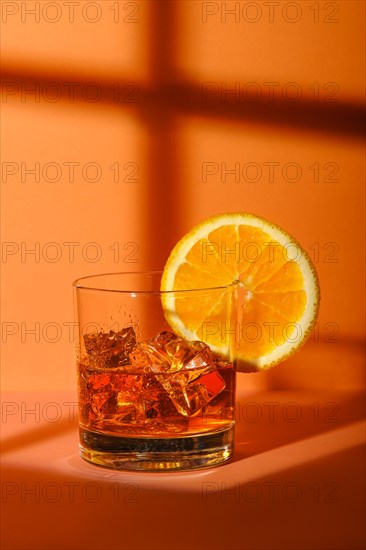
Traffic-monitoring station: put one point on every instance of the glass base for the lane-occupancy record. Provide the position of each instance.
(157, 454)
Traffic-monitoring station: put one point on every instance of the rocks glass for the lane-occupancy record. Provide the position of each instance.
(152, 397)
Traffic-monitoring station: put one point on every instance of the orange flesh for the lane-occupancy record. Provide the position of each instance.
(272, 292)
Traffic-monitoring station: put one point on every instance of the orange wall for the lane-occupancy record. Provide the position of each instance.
(172, 149)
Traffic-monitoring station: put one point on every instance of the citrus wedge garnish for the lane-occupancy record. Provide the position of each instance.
(277, 287)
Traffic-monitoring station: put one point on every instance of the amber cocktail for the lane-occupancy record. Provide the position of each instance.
(149, 398)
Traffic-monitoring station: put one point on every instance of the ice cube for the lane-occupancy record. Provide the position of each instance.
(148, 357)
(103, 404)
(155, 352)
(192, 380)
(190, 398)
(183, 355)
(110, 349)
(130, 407)
(200, 357)
(163, 338)
(139, 360)
(144, 403)
(130, 404)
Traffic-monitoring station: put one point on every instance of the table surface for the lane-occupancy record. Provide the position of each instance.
(296, 481)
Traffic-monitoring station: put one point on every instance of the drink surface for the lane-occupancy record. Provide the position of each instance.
(162, 387)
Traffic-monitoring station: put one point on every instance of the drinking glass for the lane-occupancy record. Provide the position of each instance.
(154, 395)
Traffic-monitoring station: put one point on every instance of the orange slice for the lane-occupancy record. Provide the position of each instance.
(278, 289)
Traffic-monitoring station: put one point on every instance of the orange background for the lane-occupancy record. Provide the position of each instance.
(160, 56)
(175, 83)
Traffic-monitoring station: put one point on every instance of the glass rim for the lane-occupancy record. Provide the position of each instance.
(78, 284)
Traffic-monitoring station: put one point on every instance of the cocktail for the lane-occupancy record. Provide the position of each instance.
(158, 352)
(149, 398)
